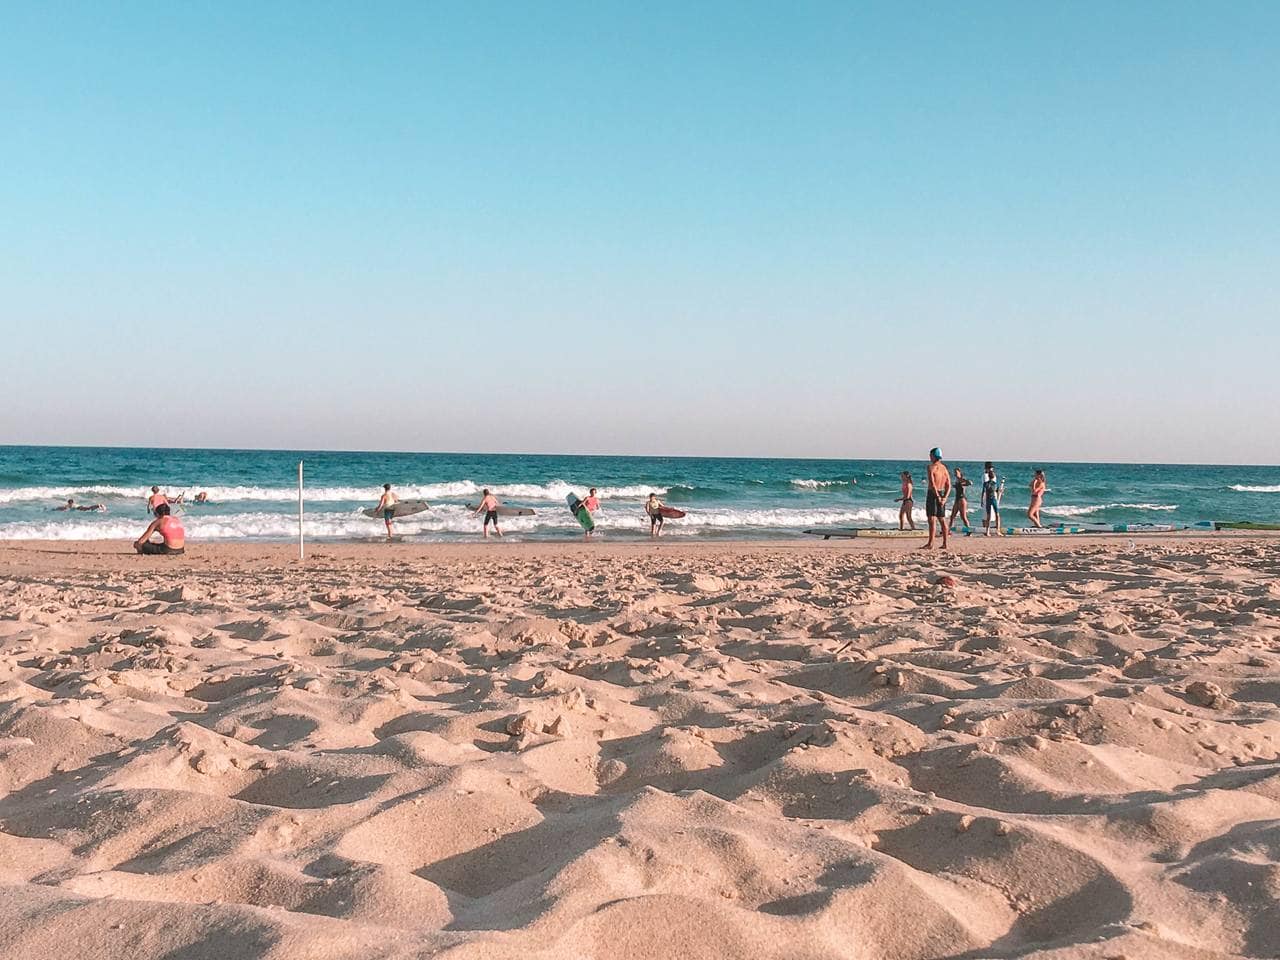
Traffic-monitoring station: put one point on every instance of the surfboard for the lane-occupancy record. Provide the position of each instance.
(403, 508)
(849, 533)
(1244, 525)
(670, 513)
(507, 511)
(583, 515)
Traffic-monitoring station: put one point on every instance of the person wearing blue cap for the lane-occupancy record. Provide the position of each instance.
(935, 509)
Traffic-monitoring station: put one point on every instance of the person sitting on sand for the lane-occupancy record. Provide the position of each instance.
(653, 507)
(935, 507)
(387, 507)
(907, 501)
(173, 537)
(961, 507)
(71, 505)
(992, 494)
(1039, 487)
(489, 507)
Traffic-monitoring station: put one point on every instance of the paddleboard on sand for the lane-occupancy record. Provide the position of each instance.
(577, 508)
(507, 511)
(842, 533)
(403, 508)
(670, 513)
(1244, 525)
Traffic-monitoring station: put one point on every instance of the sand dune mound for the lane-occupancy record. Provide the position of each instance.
(714, 752)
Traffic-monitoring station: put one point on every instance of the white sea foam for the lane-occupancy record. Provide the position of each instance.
(443, 521)
(455, 490)
(1242, 488)
(818, 484)
(1068, 510)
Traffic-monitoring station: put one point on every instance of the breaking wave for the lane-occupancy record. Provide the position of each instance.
(1242, 488)
(1073, 511)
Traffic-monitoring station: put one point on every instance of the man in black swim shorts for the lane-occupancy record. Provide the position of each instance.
(935, 510)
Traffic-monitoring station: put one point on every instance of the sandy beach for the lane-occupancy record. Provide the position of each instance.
(1059, 748)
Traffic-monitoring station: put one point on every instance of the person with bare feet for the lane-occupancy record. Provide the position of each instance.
(961, 506)
(1039, 487)
(935, 509)
(653, 507)
(992, 494)
(387, 507)
(908, 502)
(173, 539)
(489, 507)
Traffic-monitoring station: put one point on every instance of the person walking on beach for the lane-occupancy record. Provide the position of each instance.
(173, 539)
(387, 507)
(592, 503)
(961, 506)
(489, 507)
(908, 502)
(654, 509)
(935, 506)
(992, 494)
(1039, 487)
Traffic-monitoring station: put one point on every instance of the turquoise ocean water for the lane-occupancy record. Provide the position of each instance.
(253, 493)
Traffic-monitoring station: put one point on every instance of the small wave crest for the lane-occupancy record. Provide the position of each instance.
(818, 484)
(454, 489)
(446, 520)
(1243, 488)
(1068, 510)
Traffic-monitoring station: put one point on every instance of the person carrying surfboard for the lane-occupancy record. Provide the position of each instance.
(489, 507)
(935, 508)
(654, 509)
(387, 507)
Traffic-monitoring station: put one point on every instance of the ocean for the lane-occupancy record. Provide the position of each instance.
(253, 493)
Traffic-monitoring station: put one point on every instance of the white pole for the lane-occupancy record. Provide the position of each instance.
(300, 551)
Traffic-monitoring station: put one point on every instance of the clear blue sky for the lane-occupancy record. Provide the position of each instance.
(1044, 230)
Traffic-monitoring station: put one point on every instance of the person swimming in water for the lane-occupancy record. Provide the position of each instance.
(72, 505)
(158, 498)
(201, 497)
(173, 539)
(908, 502)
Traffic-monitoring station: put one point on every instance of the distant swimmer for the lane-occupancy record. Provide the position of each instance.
(654, 509)
(173, 538)
(935, 507)
(908, 502)
(387, 507)
(201, 497)
(72, 505)
(489, 507)
(961, 507)
(1039, 487)
(992, 494)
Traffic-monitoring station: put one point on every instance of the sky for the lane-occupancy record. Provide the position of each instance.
(1021, 231)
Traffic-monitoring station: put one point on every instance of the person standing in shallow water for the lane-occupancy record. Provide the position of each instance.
(935, 508)
(387, 507)
(489, 507)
